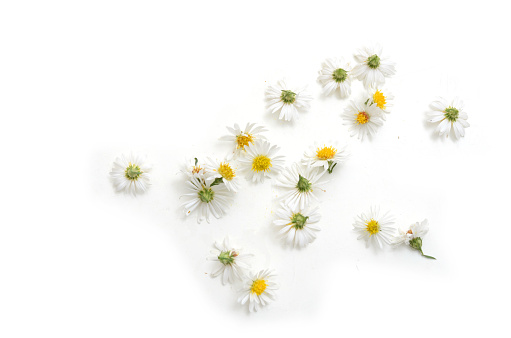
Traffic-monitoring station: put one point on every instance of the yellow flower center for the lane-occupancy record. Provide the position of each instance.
(261, 163)
(244, 140)
(362, 117)
(226, 171)
(372, 227)
(379, 99)
(326, 153)
(258, 286)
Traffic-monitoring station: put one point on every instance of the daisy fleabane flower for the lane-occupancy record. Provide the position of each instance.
(364, 120)
(372, 67)
(261, 161)
(207, 198)
(450, 115)
(232, 265)
(374, 228)
(298, 227)
(130, 174)
(222, 172)
(413, 236)
(336, 74)
(326, 156)
(193, 168)
(300, 183)
(259, 290)
(288, 100)
(242, 139)
(382, 99)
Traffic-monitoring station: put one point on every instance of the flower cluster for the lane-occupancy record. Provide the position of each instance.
(258, 289)
(376, 228)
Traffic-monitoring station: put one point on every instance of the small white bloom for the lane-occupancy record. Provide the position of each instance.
(372, 67)
(288, 100)
(242, 139)
(382, 99)
(300, 184)
(232, 265)
(259, 290)
(450, 115)
(298, 227)
(363, 119)
(130, 174)
(373, 228)
(222, 170)
(193, 168)
(416, 230)
(261, 161)
(207, 199)
(336, 74)
(326, 156)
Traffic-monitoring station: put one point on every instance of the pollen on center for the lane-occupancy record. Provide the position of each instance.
(261, 163)
(226, 171)
(372, 227)
(379, 99)
(362, 117)
(243, 140)
(258, 286)
(326, 153)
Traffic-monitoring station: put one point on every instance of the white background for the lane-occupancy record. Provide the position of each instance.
(83, 82)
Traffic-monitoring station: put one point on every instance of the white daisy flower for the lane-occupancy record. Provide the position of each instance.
(374, 228)
(326, 156)
(130, 174)
(298, 227)
(242, 139)
(363, 119)
(259, 290)
(372, 67)
(260, 161)
(193, 168)
(336, 74)
(413, 236)
(207, 198)
(288, 100)
(300, 183)
(222, 172)
(382, 99)
(450, 115)
(232, 265)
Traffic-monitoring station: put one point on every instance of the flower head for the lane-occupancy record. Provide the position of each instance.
(300, 184)
(261, 161)
(382, 99)
(193, 168)
(374, 228)
(232, 265)
(130, 174)
(364, 120)
(327, 155)
(288, 100)
(242, 139)
(207, 198)
(222, 172)
(297, 227)
(336, 74)
(449, 116)
(372, 67)
(259, 290)
(413, 236)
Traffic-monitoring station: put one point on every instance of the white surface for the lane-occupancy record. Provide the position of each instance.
(81, 83)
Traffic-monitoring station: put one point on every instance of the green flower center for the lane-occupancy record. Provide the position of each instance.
(416, 243)
(373, 61)
(206, 195)
(288, 96)
(451, 114)
(299, 221)
(132, 172)
(227, 257)
(339, 75)
(303, 184)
